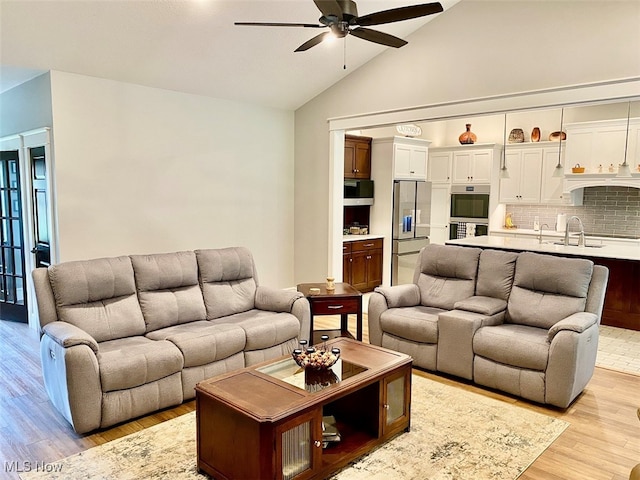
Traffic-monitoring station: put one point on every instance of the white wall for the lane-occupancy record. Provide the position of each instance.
(144, 170)
(476, 49)
(26, 107)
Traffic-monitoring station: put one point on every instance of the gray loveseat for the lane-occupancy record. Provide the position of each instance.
(125, 336)
(523, 323)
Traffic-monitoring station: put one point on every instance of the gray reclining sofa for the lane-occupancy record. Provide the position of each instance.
(523, 323)
(126, 336)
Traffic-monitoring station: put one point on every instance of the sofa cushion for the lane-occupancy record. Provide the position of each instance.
(264, 329)
(547, 289)
(98, 296)
(168, 289)
(496, 270)
(202, 342)
(228, 280)
(134, 361)
(516, 345)
(418, 324)
(447, 274)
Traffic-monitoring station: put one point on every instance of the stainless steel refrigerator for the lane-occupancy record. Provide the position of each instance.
(411, 227)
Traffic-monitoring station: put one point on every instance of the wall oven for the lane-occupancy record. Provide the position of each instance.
(469, 211)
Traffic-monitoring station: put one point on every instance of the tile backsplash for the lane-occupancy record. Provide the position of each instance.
(606, 210)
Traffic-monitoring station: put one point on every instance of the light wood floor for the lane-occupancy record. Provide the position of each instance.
(603, 441)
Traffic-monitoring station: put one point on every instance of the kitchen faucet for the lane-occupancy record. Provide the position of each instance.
(540, 235)
(566, 231)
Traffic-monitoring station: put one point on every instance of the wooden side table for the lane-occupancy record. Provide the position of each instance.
(344, 300)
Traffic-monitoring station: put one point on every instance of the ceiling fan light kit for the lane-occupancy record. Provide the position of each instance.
(341, 17)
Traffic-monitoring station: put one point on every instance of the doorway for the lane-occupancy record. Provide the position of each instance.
(13, 305)
(27, 233)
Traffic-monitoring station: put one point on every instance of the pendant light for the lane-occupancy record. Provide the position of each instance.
(623, 169)
(504, 173)
(559, 170)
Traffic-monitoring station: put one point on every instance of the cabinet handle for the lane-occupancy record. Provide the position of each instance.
(386, 406)
(335, 307)
(351, 259)
(368, 257)
(368, 244)
(317, 443)
(412, 171)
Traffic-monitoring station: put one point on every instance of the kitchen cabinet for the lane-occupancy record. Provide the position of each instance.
(408, 156)
(357, 157)
(473, 164)
(439, 166)
(440, 208)
(362, 264)
(551, 188)
(602, 144)
(524, 164)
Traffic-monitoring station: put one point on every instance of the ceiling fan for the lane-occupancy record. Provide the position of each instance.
(341, 17)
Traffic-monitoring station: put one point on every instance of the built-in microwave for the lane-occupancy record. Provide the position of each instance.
(470, 203)
(358, 192)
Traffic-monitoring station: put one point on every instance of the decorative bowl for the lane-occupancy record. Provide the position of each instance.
(312, 359)
(557, 136)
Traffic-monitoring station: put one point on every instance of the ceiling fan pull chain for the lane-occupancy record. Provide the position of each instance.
(344, 62)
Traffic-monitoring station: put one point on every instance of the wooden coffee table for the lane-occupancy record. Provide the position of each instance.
(344, 300)
(265, 421)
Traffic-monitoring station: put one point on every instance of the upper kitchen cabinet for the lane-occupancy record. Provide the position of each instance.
(551, 188)
(473, 164)
(408, 156)
(357, 157)
(599, 146)
(439, 165)
(524, 163)
(600, 138)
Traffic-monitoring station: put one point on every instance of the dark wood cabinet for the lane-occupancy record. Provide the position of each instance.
(621, 307)
(357, 157)
(362, 264)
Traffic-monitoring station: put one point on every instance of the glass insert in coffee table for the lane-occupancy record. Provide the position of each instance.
(288, 371)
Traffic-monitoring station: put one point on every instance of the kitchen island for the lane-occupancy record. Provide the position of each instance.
(622, 300)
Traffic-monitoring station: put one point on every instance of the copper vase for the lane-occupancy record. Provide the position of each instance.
(467, 137)
(535, 134)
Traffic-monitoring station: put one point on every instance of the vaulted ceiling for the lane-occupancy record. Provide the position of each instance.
(187, 45)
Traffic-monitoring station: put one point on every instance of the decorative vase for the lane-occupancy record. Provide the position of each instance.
(535, 134)
(467, 137)
(516, 136)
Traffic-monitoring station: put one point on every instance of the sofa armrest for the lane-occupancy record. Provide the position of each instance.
(276, 300)
(67, 335)
(407, 295)
(482, 305)
(578, 322)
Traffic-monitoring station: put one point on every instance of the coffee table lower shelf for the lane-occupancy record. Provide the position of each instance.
(250, 425)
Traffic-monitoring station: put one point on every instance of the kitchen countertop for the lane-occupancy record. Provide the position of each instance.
(623, 252)
(355, 238)
(554, 233)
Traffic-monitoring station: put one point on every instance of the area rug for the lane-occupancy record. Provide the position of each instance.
(455, 434)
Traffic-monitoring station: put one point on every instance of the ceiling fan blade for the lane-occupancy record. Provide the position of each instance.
(378, 37)
(399, 14)
(329, 8)
(312, 43)
(275, 24)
